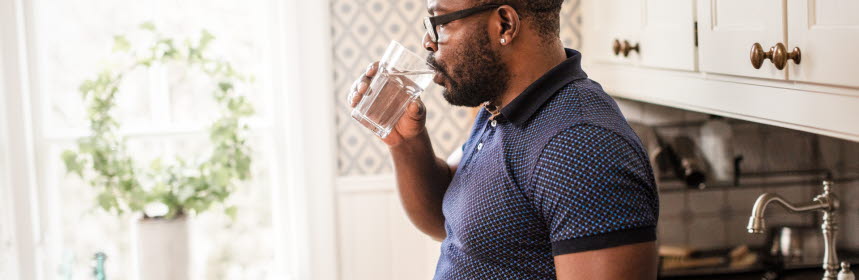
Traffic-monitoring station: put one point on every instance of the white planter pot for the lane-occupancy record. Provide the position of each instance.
(161, 249)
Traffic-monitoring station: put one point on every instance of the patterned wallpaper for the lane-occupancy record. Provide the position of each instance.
(361, 30)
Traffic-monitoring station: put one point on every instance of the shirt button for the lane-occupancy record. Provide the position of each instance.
(479, 146)
(493, 123)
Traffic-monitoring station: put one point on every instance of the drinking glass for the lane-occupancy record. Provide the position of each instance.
(402, 77)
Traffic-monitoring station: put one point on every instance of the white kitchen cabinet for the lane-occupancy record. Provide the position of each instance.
(822, 34)
(668, 34)
(827, 33)
(651, 33)
(610, 22)
(727, 30)
(817, 89)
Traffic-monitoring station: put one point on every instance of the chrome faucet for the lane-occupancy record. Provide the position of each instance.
(826, 202)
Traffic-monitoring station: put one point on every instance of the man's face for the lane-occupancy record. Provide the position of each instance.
(466, 65)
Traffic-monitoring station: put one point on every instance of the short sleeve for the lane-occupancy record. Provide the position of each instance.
(594, 190)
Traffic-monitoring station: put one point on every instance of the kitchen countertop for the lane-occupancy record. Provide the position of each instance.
(757, 271)
(802, 274)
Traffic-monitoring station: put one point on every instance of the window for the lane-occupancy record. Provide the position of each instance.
(162, 113)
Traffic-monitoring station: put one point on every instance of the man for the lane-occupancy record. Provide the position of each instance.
(552, 182)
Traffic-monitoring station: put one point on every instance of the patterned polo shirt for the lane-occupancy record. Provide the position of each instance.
(556, 171)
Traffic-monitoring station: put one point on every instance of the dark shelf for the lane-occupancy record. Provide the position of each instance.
(760, 179)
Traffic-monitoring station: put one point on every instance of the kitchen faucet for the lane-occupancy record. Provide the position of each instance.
(826, 202)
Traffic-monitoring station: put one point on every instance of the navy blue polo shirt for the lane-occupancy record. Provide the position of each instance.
(557, 171)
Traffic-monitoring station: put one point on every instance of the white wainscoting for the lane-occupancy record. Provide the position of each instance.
(376, 239)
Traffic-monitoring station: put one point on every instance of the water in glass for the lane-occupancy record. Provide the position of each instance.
(390, 93)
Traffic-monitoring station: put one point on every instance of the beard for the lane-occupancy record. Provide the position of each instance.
(479, 74)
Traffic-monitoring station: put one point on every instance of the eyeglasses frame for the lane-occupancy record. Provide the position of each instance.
(430, 23)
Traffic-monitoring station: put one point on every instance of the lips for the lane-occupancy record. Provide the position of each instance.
(439, 72)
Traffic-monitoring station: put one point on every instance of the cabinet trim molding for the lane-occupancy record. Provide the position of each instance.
(784, 104)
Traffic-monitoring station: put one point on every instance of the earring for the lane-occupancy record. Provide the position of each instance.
(503, 41)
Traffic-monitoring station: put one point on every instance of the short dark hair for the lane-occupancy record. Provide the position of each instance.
(544, 14)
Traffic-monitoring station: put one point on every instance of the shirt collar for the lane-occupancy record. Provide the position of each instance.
(529, 101)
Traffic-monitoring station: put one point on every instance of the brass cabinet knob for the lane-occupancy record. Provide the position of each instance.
(780, 56)
(777, 54)
(758, 55)
(627, 48)
(616, 47)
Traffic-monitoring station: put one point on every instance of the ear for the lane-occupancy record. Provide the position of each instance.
(508, 24)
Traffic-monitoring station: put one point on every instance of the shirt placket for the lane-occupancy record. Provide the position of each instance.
(486, 135)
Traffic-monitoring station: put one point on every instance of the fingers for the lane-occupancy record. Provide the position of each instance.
(359, 87)
(372, 69)
(417, 110)
(366, 77)
(364, 82)
(352, 99)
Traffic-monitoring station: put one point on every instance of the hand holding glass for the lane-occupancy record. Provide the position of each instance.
(402, 76)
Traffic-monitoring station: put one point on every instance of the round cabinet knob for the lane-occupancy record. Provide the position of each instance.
(780, 56)
(777, 54)
(616, 47)
(627, 48)
(758, 55)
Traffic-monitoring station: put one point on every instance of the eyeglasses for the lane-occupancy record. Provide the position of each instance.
(430, 23)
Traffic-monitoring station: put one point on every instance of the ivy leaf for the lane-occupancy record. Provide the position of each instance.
(106, 200)
(225, 86)
(127, 185)
(156, 165)
(158, 190)
(70, 158)
(246, 109)
(86, 86)
(86, 146)
(121, 44)
(243, 165)
(136, 204)
(205, 39)
(147, 62)
(148, 25)
(220, 178)
(185, 192)
(231, 212)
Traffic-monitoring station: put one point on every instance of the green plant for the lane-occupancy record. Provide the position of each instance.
(102, 160)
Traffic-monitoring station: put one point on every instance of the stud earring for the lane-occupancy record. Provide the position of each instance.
(503, 41)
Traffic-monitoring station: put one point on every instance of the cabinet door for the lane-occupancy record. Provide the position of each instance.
(727, 29)
(827, 33)
(668, 34)
(607, 21)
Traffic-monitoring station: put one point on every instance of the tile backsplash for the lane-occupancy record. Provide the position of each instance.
(717, 217)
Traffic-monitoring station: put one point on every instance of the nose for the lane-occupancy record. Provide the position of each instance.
(428, 44)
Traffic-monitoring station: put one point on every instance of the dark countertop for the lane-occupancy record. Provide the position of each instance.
(757, 272)
(802, 274)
